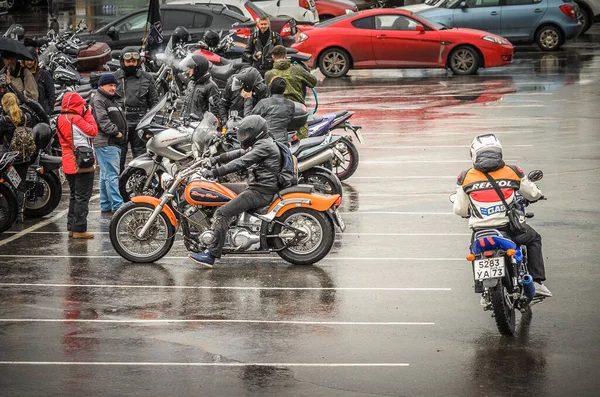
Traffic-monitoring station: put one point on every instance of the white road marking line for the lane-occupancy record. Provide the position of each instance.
(408, 161)
(406, 177)
(224, 288)
(172, 364)
(406, 234)
(430, 147)
(56, 232)
(218, 321)
(425, 99)
(395, 213)
(248, 257)
(46, 222)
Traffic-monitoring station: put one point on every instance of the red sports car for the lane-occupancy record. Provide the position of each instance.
(394, 38)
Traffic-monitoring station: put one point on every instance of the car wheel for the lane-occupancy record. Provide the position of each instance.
(584, 17)
(334, 62)
(549, 38)
(464, 60)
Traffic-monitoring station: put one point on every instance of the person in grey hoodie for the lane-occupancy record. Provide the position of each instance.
(277, 110)
(112, 132)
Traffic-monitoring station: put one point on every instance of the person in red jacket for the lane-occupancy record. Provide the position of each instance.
(77, 128)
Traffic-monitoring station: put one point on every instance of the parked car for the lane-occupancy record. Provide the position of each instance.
(12, 5)
(393, 38)
(328, 9)
(285, 26)
(588, 13)
(129, 30)
(548, 23)
(424, 6)
(366, 4)
(300, 10)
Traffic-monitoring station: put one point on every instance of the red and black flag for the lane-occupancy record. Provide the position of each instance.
(155, 34)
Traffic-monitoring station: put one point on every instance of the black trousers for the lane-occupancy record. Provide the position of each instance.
(80, 186)
(247, 200)
(138, 147)
(533, 241)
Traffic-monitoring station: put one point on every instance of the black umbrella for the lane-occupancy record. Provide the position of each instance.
(13, 47)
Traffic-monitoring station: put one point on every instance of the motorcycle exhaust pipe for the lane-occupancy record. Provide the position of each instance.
(528, 286)
(315, 160)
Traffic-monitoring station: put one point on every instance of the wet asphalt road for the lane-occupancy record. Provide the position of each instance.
(391, 311)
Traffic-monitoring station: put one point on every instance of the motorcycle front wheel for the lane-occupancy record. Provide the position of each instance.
(9, 208)
(323, 180)
(127, 223)
(314, 246)
(42, 199)
(504, 309)
(345, 169)
(132, 181)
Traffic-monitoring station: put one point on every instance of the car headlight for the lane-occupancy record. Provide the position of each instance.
(302, 37)
(494, 39)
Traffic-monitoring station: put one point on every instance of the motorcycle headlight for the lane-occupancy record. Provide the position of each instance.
(495, 39)
(166, 181)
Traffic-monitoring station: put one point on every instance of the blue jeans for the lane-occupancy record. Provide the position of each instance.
(108, 159)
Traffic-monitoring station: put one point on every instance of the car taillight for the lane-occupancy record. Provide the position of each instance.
(286, 30)
(301, 37)
(243, 33)
(304, 4)
(253, 14)
(568, 10)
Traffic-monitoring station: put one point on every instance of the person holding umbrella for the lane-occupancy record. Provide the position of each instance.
(16, 74)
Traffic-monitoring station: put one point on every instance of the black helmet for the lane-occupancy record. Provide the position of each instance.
(211, 38)
(180, 34)
(250, 130)
(129, 53)
(42, 133)
(198, 62)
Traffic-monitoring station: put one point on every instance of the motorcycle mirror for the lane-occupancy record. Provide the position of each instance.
(112, 33)
(452, 197)
(535, 175)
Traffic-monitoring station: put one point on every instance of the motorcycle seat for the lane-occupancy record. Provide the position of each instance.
(50, 162)
(222, 72)
(306, 143)
(291, 189)
(314, 119)
(84, 80)
(340, 113)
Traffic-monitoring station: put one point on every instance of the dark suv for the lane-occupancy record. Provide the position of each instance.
(129, 30)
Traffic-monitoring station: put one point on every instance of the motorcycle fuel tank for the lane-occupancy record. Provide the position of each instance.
(208, 194)
(171, 143)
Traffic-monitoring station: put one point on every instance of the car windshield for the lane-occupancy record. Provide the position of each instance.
(329, 22)
(433, 24)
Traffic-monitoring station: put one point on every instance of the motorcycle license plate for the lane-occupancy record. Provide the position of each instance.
(61, 175)
(340, 221)
(487, 268)
(13, 177)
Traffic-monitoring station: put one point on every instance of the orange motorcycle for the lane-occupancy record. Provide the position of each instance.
(299, 225)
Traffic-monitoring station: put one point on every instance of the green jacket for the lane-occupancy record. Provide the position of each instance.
(295, 76)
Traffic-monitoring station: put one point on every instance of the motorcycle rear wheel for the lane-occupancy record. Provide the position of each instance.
(131, 184)
(9, 208)
(323, 180)
(504, 310)
(346, 169)
(315, 246)
(125, 225)
(48, 201)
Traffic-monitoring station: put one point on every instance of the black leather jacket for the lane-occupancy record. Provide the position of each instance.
(254, 46)
(263, 161)
(137, 93)
(278, 112)
(201, 96)
(233, 100)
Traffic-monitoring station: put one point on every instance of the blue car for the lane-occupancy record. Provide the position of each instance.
(548, 23)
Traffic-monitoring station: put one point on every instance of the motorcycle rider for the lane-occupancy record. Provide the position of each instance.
(44, 80)
(475, 195)
(202, 94)
(277, 111)
(137, 95)
(260, 45)
(242, 92)
(261, 156)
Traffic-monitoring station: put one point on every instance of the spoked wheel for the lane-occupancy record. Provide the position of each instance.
(323, 180)
(126, 226)
(504, 309)
(131, 184)
(312, 244)
(9, 208)
(44, 197)
(464, 60)
(345, 169)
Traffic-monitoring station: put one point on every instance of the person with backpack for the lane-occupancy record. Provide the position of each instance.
(277, 110)
(76, 128)
(16, 134)
(263, 159)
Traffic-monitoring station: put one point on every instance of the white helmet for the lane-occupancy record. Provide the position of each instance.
(487, 142)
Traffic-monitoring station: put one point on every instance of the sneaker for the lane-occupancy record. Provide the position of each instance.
(83, 235)
(542, 290)
(203, 258)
